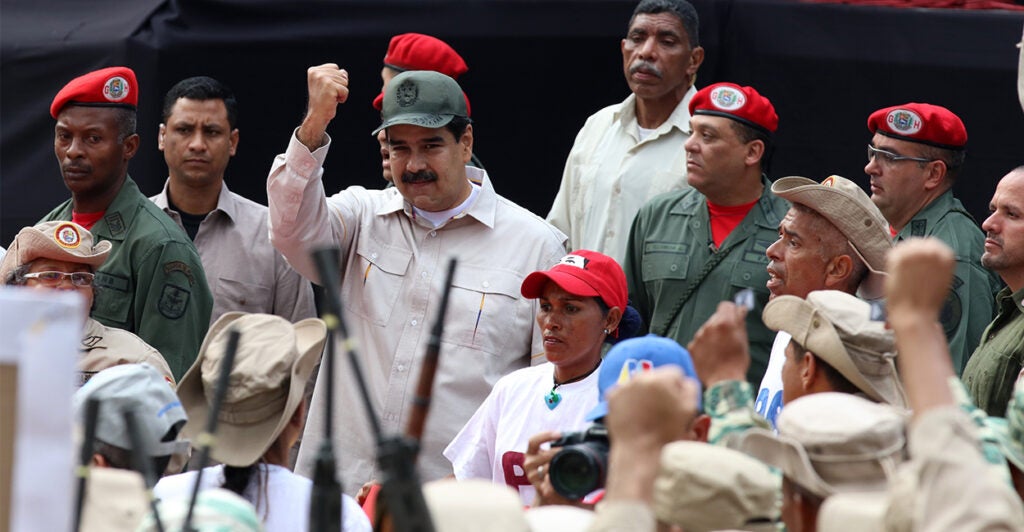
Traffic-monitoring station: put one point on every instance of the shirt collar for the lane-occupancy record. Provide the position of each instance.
(483, 209)
(679, 119)
(226, 203)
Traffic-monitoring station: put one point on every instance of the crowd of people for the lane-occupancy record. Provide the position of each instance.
(684, 343)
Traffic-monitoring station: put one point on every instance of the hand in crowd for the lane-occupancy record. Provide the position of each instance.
(536, 465)
(328, 86)
(645, 413)
(364, 491)
(920, 272)
(720, 349)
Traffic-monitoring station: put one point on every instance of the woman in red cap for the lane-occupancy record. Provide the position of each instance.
(583, 304)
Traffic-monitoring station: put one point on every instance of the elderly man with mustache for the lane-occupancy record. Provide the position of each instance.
(629, 152)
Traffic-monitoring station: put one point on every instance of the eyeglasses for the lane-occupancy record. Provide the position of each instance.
(52, 279)
(889, 158)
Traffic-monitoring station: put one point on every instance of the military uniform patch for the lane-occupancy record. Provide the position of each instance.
(918, 227)
(727, 98)
(407, 93)
(178, 266)
(173, 301)
(116, 89)
(952, 310)
(115, 223)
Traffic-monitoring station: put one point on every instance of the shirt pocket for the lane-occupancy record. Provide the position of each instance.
(381, 270)
(485, 308)
(665, 261)
(243, 296)
(113, 294)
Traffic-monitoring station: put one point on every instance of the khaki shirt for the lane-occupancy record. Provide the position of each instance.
(244, 271)
(104, 347)
(393, 268)
(995, 365)
(611, 173)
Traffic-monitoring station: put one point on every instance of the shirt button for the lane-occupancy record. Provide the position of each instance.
(373, 255)
(433, 233)
(746, 276)
(486, 284)
(423, 275)
(673, 267)
(414, 322)
(401, 367)
(611, 233)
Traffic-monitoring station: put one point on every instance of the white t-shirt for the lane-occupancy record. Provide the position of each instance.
(768, 402)
(493, 443)
(288, 495)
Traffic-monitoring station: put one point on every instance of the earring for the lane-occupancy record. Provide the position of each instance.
(606, 331)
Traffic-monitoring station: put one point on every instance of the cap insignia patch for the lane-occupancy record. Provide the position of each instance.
(575, 260)
(904, 121)
(67, 236)
(727, 98)
(407, 93)
(116, 89)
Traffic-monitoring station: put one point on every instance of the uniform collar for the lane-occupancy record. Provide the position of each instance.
(930, 215)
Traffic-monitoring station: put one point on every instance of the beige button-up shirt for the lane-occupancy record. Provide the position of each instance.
(393, 267)
(244, 271)
(105, 347)
(611, 173)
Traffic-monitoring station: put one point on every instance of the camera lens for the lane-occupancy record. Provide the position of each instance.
(578, 470)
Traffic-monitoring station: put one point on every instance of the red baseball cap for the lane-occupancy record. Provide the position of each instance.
(583, 273)
(924, 123)
(742, 104)
(108, 87)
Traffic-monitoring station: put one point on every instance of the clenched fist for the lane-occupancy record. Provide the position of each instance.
(328, 86)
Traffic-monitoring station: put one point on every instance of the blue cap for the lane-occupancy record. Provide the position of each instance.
(635, 355)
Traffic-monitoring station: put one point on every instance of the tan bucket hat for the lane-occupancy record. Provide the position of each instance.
(702, 487)
(66, 241)
(473, 505)
(850, 209)
(837, 327)
(274, 361)
(833, 442)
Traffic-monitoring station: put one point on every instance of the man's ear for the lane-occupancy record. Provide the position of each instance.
(700, 427)
(755, 152)
(936, 175)
(838, 271)
(160, 137)
(466, 141)
(234, 141)
(808, 370)
(98, 460)
(131, 146)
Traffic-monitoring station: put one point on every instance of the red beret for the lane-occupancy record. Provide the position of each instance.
(416, 51)
(109, 87)
(742, 104)
(920, 122)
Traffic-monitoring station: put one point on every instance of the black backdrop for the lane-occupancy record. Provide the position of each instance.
(537, 70)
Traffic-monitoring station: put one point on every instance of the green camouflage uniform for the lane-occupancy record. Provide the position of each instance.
(670, 244)
(152, 283)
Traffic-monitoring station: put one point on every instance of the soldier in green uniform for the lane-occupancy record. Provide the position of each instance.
(152, 283)
(913, 160)
(691, 249)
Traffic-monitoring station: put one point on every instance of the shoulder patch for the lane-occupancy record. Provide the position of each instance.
(178, 266)
(952, 310)
(173, 301)
(918, 227)
(115, 223)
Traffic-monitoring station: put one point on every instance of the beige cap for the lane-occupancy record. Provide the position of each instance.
(850, 209)
(115, 500)
(66, 241)
(559, 518)
(474, 505)
(702, 487)
(837, 327)
(274, 361)
(854, 512)
(831, 442)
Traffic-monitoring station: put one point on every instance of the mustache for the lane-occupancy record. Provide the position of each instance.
(419, 177)
(646, 67)
(76, 167)
(995, 238)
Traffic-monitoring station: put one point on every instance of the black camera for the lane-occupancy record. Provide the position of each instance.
(581, 466)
